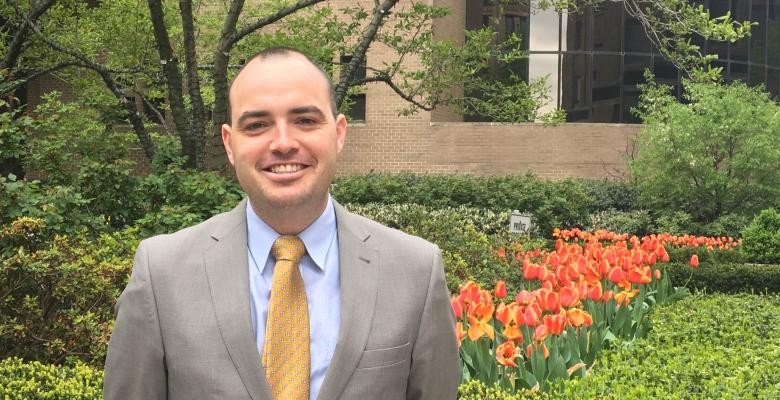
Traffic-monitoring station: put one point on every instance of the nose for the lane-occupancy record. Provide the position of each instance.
(283, 140)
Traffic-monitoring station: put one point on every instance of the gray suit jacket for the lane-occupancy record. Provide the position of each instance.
(183, 326)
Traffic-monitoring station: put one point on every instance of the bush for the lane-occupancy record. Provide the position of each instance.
(469, 253)
(58, 299)
(563, 204)
(636, 222)
(63, 209)
(21, 380)
(476, 390)
(611, 195)
(703, 347)
(761, 239)
(676, 223)
(726, 277)
(714, 153)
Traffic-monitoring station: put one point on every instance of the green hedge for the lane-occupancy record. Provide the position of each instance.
(704, 347)
(21, 380)
(562, 204)
(727, 277)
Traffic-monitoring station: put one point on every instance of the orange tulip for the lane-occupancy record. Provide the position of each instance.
(624, 298)
(569, 297)
(595, 292)
(545, 351)
(554, 323)
(500, 290)
(460, 333)
(525, 297)
(457, 307)
(506, 354)
(694, 261)
(657, 274)
(479, 321)
(531, 315)
(578, 317)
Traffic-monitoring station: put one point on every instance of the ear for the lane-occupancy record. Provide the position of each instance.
(341, 131)
(226, 136)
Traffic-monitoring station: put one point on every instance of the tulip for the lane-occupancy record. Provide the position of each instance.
(500, 290)
(460, 333)
(457, 307)
(694, 261)
(506, 354)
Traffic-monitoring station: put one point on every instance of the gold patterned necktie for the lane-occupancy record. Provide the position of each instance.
(286, 348)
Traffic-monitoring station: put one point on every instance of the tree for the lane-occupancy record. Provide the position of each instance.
(178, 57)
(716, 153)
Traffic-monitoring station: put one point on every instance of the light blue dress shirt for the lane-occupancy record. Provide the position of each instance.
(320, 273)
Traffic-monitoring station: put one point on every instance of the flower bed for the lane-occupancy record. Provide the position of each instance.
(592, 289)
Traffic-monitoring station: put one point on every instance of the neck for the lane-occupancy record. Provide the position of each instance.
(289, 220)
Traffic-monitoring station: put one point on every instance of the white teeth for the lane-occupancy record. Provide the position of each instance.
(286, 168)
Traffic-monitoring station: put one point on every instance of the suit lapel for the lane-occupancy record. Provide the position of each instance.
(226, 269)
(359, 265)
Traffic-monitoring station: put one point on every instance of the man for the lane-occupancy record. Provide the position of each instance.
(221, 310)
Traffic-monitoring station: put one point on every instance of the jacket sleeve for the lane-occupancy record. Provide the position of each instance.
(135, 364)
(434, 373)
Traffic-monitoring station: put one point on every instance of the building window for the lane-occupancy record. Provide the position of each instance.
(357, 101)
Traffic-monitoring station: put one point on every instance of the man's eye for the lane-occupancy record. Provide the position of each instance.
(255, 126)
(307, 121)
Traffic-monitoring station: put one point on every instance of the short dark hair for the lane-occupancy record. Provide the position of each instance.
(281, 51)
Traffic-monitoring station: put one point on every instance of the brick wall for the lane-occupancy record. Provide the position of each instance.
(567, 150)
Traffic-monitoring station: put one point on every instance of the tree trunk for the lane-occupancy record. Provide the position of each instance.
(174, 84)
(198, 114)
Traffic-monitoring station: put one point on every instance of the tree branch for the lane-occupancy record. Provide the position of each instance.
(259, 23)
(18, 42)
(359, 56)
(389, 82)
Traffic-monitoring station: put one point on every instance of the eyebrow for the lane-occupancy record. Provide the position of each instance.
(295, 111)
(251, 114)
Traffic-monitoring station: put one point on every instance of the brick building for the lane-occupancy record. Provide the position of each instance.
(593, 61)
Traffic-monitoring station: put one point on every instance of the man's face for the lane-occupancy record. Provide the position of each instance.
(283, 139)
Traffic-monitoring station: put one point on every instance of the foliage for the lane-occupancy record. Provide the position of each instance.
(13, 129)
(68, 134)
(551, 203)
(62, 208)
(703, 347)
(20, 380)
(725, 277)
(717, 153)
(634, 222)
(610, 195)
(476, 390)
(57, 298)
(176, 198)
(761, 239)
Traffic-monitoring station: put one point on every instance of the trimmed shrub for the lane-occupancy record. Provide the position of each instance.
(58, 299)
(21, 380)
(476, 390)
(703, 347)
(563, 204)
(726, 278)
(636, 222)
(610, 195)
(761, 239)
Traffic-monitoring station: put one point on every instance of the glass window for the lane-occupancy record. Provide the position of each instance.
(740, 11)
(635, 38)
(758, 33)
(719, 8)
(738, 72)
(634, 70)
(575, 86)
(606, 89)
(773, 82)
(576, 31)
(543, 31)
(757, 74)
(606, 27)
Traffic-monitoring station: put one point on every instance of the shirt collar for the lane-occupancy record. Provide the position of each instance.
(317, 237)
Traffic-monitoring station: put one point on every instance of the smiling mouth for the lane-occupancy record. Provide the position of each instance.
(286, 168)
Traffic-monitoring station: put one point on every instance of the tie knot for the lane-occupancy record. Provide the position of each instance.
(289, 248)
